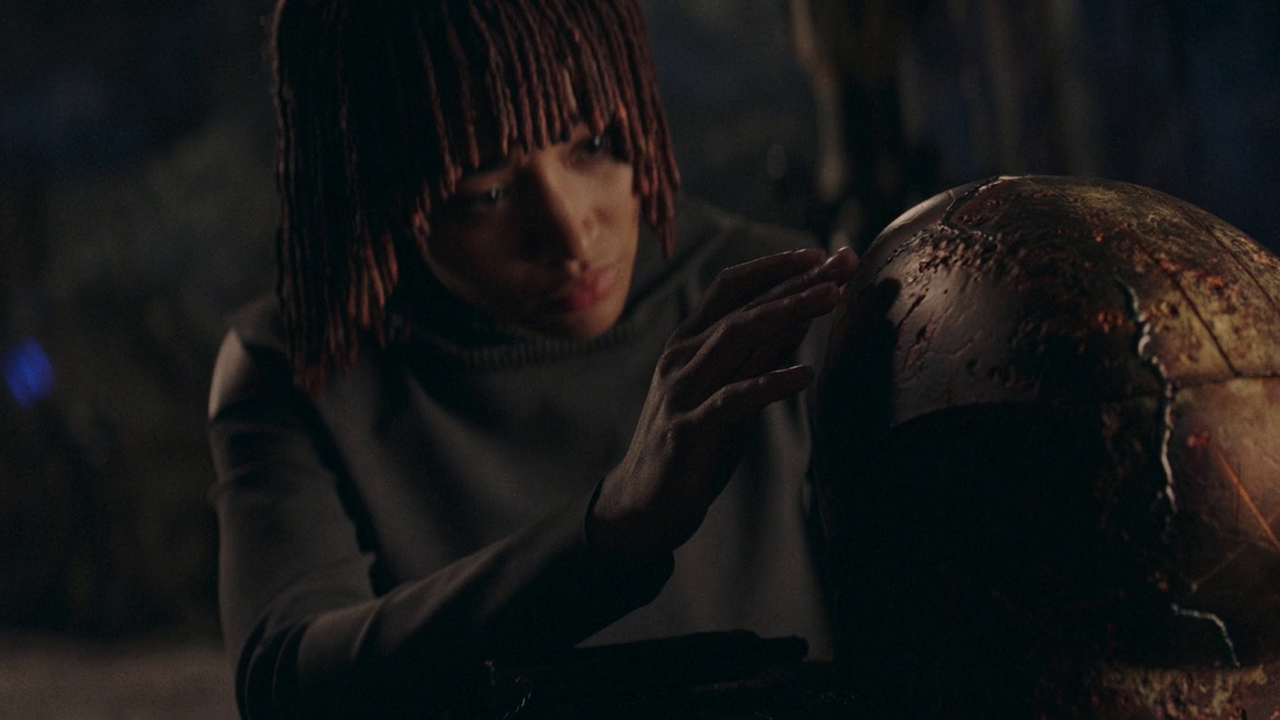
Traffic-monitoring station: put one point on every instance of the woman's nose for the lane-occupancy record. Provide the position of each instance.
(563, 225)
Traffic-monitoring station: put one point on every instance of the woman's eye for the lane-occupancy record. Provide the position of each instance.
(596, 145)
(482, 201)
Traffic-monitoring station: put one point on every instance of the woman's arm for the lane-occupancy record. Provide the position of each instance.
(298, 607)
(299, 610)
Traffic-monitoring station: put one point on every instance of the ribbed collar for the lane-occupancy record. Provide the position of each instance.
(448, 329)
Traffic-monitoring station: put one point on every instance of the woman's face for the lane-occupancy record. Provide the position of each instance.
(545, 240)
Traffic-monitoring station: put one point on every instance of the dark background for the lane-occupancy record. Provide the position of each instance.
(137, 208)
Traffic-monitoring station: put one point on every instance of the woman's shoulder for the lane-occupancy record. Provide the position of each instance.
(253, 357)
(260, 324)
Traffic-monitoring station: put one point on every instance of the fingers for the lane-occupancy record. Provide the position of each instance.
(735, 286)
(719, 370)
(836, 269)
(746, 343)
(781, 348)
(761, 281)
(742, 400)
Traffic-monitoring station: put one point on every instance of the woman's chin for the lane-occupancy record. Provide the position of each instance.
(583, 324)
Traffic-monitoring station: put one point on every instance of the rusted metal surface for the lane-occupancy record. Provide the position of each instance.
(1126, 692)
(1048, 444)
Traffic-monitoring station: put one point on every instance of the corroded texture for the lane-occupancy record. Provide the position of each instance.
(1126, 692)
(1049, 438)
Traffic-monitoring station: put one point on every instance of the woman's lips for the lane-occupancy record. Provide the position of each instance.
(587, 290)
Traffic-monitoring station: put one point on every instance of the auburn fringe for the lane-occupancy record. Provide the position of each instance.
(381, 109)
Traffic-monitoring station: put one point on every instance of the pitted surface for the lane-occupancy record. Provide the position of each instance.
(1049, 436)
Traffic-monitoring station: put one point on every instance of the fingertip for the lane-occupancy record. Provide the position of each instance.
(843, 260)
(807, 259)
(797, 376)
(805, 372)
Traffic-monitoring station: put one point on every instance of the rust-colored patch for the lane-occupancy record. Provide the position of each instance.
(1059, 448)
(1183, 694)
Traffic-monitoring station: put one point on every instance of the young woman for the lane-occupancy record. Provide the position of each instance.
(510, 395)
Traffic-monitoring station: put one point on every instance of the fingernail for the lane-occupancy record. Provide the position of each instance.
(843, 256)
(826, 291)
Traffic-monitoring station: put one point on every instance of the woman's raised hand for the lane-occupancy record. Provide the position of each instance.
(722, 366)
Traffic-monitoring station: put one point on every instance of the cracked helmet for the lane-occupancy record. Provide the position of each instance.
(1047, 458)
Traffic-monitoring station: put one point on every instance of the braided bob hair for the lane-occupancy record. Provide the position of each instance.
(380, 104)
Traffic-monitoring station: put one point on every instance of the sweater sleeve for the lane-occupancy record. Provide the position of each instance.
(307, 634)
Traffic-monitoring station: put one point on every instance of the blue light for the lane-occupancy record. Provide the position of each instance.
(28, 373)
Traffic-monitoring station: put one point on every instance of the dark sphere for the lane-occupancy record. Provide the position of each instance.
(1048, 450)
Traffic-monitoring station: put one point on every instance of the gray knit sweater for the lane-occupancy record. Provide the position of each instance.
(425, 513)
